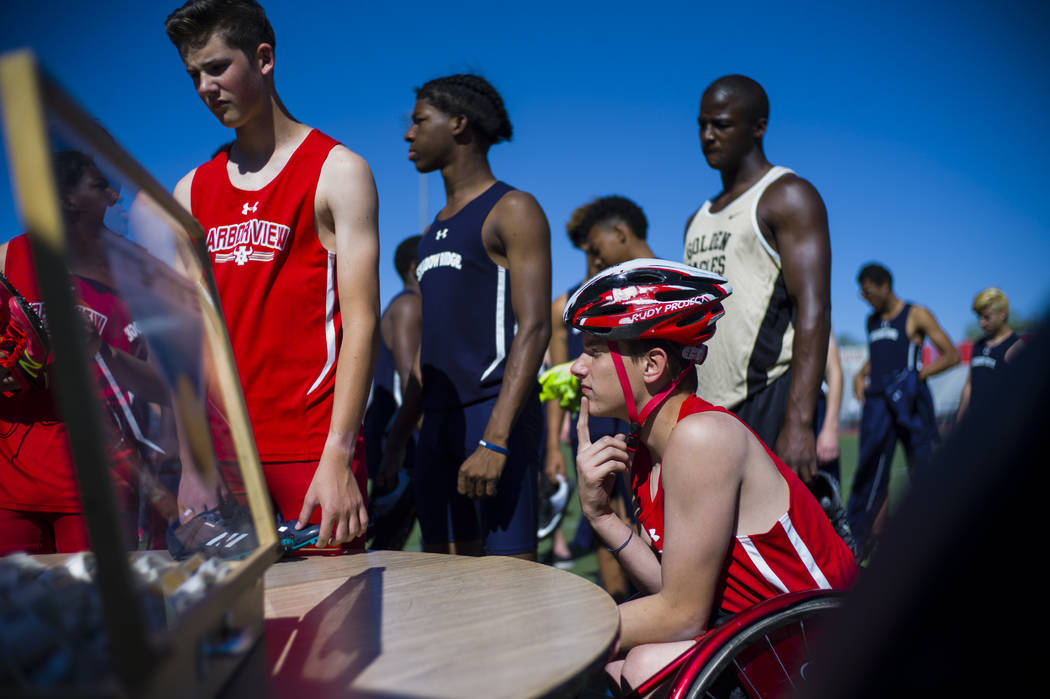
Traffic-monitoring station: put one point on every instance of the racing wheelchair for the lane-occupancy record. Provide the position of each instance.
(764, 651)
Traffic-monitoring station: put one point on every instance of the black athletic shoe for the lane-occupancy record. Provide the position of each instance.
(554, 499)
(826, 490)
(293, 539)
(225, 531)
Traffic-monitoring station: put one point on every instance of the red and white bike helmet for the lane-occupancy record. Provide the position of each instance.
(650, 299)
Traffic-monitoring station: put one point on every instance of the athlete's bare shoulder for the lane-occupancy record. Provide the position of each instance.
(182, 189)
(713, 440)
(343, 166)
(789, 195)
(516, 203)
(346, 191)
(516, 217)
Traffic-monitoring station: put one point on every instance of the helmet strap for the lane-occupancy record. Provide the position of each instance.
(635, 418)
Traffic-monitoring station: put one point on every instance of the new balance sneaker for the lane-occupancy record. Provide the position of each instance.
(293, 539)
(554, 498)
(225, 531)
(826, 490)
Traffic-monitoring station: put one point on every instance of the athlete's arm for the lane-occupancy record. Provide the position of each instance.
(964, 399)
(927, 325)
(701, 502)
(828, 439)
(401, 427)
(1015, 348)
(404, 321)
(795, 215)
(182, 190)
(517, 236)
(858, 380)
(558, 349)
(347, 215)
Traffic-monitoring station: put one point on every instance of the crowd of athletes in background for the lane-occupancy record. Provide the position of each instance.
(776, 360)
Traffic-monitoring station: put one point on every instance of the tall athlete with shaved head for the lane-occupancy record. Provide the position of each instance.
(767, 232)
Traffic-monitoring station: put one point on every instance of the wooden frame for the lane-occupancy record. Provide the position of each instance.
(145, 663)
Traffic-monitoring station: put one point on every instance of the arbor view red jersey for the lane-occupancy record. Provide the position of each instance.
(800, 552)
(277, 284)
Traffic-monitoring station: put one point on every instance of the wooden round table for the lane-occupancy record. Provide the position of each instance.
(393, 623)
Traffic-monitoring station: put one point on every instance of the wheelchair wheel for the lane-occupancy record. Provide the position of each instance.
(767, 654)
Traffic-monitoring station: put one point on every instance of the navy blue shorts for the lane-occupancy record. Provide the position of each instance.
(506, 523)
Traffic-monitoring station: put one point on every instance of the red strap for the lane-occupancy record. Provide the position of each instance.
(633, 417)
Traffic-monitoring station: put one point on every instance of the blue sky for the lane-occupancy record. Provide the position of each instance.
(921, 124)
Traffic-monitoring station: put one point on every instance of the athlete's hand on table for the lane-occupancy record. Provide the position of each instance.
(796, 446)
(597, 465)
(479, 474)
(344, 513)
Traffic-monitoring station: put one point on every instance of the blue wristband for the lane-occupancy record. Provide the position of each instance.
(494, 447)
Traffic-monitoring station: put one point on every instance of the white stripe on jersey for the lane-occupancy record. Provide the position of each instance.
(803, 553)
(501, 344)
(756, 557)
(329, 323)
(118, 393)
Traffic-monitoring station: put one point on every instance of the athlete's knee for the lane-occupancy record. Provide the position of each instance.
(641, 663)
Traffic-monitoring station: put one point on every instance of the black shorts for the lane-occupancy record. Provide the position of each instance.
(764, 411)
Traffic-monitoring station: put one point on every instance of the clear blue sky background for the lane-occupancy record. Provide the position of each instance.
(921, 123)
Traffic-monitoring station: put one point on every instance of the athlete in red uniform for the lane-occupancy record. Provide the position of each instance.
(725, 523)
(290, 217)
(40, 508)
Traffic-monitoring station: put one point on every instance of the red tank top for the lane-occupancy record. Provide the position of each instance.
(36, 469)
(800, 552)
(277, 285)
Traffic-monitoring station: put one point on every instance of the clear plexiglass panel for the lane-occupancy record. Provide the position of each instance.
(143, 339)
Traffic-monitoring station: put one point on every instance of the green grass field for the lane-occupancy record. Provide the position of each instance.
(587, 566)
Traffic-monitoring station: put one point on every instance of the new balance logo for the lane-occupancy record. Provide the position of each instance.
(249, 209)
(443, 233)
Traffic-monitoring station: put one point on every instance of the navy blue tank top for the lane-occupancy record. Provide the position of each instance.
(468, 320)
(987, 365)
(889, 348)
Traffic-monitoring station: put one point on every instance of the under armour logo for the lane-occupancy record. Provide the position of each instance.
(653, 535)
(249, 209)
(443, 233)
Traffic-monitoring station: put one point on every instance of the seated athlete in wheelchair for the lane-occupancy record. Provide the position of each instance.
(725, 524)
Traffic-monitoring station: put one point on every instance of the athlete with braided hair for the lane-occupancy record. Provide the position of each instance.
(485, 273)
(725, 523)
